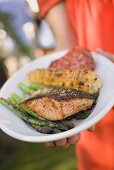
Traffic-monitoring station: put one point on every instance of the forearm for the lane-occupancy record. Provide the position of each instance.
(58, 21)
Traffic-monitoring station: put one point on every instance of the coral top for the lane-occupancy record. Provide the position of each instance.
(93, 25)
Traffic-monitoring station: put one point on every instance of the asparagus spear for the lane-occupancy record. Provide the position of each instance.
(43, 129)
(34, 86)
(23, 116)
(9, 106)
(25, 88)
(11, 100)
(28, 111)
(69, 124)
(83, 114)
(56, 130)
(15, 97)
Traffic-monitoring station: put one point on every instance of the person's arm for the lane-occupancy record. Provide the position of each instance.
(58, 21)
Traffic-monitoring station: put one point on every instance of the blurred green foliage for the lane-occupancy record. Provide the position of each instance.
(17, 155)
(20, 48)
(6, 24)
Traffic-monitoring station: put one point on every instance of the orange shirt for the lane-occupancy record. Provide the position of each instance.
(92, 21)
(93, 25)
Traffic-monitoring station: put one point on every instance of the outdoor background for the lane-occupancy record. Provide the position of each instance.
(17, 155)
(24, 37)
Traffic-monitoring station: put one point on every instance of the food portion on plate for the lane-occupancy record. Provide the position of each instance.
(57, 103)
(56, 97)
(76, 58)
(85, 80)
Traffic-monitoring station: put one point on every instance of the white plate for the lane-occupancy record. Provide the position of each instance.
(15, 127)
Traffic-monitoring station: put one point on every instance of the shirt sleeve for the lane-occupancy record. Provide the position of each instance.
(46, 5)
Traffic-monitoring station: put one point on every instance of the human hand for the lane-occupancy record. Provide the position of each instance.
(65, 143)
(106, 54)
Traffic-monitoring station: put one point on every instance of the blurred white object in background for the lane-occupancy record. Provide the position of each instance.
(11, 64)
(45, 37)
(29, 30)
(6, 43)
(33, 5)
(2, 34)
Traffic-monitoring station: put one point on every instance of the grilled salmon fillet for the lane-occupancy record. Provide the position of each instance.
(57, 103)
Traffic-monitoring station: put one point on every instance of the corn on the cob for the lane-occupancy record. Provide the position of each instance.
(85, 80)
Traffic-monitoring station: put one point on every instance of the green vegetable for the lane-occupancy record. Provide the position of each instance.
(25, 88)
(82, 114)
(28, 111)
(34, 86)
(15, 97)
(95, 96)
(69, 124)
(19, 113)
(43, 129)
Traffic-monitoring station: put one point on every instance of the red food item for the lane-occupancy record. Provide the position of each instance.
(76, 58)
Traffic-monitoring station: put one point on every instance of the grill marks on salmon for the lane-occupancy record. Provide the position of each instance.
(57, 103)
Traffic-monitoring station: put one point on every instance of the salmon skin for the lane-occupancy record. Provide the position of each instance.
(57, 103)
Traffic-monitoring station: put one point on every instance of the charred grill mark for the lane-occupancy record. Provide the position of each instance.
(81, 83)
(63, 84)
(58, 74)
(85, 71)
(72, 84)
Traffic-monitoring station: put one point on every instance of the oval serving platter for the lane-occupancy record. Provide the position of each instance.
(16, 128)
